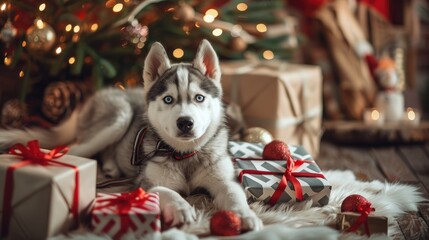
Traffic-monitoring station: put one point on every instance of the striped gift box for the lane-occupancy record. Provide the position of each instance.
(263, 185)
(124, 217)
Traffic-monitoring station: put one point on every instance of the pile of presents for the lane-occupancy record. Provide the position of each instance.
(45, 193)
(48, 192)
(60, 190)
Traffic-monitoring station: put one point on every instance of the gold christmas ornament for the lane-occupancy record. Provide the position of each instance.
(257, 135)
(40, 36)
(184, 12)
(238, 44)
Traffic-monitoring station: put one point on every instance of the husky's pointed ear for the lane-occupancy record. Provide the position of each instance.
(156, 63)
(207, 61)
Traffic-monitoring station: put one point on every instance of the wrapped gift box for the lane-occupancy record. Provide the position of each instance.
(127, 215)
(285, 99)
(42, 197)
(376, 224)
(262, 186)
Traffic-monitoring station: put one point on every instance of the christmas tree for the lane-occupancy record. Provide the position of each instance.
(63, 50)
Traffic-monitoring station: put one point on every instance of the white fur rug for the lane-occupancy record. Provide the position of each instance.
(301, 221)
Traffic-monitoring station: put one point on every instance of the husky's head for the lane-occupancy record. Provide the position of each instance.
(184, 101)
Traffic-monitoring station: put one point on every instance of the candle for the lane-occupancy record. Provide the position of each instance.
(411, 117)
(391, 103)
(373, 116)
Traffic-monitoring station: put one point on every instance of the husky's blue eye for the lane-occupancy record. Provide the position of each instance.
(199, 98)
(168, 99)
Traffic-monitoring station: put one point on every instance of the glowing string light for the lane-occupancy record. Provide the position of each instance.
(217, 32)
(411, 114)
(242, 7)
(40, 24)
(261, 27)
(69, 27)
(42, 7)
(118, 7)
(7, 60)
(268, 54)
(94, 27)
(375, 115)
(178, 53)
(76, 29)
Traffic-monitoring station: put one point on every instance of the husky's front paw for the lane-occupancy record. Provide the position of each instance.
(179, 212)
(250, 221)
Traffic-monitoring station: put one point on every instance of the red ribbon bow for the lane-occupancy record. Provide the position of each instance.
(288, 175)
(124, 203)
(32, 154)
(364, 210)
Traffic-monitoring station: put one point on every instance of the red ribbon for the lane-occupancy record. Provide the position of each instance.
(32, 154)
(124, 202)
(288, 175)
(364, 210)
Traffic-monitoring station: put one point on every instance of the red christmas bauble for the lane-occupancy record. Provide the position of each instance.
(276, 150)
(352, 202)
(225, 223)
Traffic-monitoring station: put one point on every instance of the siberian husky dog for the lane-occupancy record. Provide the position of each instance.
(173, 129)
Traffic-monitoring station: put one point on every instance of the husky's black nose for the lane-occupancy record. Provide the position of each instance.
(185, 124)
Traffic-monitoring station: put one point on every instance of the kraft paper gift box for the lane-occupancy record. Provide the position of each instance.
(261, 178)
(285, 99)
(46, 197)
(376, 224)
(130, 215)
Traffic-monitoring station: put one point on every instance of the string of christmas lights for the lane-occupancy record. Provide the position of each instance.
(104, 42)
(68, 36)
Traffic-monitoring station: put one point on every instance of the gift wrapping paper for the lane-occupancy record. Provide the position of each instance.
(133, 219)
(261, 187)
(284, 98)
(42, 197)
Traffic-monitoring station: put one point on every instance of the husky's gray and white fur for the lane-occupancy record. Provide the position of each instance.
(181, 105)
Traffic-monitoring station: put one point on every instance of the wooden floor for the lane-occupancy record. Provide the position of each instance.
(403, 163)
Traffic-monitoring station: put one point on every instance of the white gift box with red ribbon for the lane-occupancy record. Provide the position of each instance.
(43, 193)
